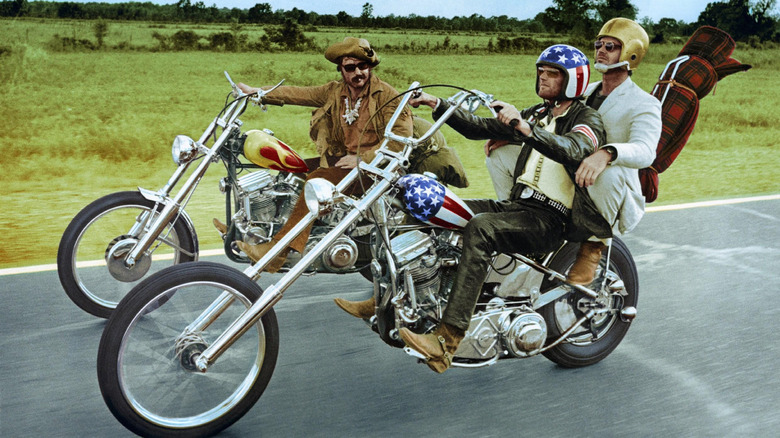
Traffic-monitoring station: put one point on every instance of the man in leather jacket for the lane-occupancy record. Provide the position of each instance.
(545, 205)
(347, 126)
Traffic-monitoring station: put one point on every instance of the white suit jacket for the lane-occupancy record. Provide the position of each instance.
(632, 118)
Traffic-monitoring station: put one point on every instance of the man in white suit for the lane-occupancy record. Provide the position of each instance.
(632, 118)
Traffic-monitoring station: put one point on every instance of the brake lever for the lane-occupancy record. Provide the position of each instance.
(236, 91)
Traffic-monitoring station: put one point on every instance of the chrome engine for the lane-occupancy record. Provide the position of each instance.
(500, 330)
(426, 266)
(265, 202)
(505, 326)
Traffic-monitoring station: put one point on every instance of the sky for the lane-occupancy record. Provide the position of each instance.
(686, 10)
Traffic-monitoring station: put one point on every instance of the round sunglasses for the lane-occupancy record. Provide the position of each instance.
(609, 45)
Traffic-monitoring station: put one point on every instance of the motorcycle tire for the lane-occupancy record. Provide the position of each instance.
(599, 336)
(82, 256)
(146, 355)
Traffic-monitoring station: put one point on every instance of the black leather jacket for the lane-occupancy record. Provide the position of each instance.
(566, 147)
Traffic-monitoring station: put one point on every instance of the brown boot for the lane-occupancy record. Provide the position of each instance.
(256, 252)
(358, 309)
(584, 268)
(437, 347)
(222, 228)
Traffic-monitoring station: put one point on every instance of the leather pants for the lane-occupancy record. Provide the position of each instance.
(521, 226)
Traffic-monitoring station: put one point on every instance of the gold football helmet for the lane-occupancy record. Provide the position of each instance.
(633, 38)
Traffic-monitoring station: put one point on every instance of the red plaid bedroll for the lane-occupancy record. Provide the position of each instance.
(703, 61)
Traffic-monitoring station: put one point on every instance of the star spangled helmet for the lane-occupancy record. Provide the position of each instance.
(575, 67)
(429, 201)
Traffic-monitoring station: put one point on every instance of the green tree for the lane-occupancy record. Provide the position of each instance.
(289, 36)
(100, 28)
(367, 15)
(741, 19)
(609, 9)
(259, 13)
(69, 10)
(570, 16)
(15, 8)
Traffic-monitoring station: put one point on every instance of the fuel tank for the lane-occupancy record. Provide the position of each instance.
(268, 151)
(429, 201)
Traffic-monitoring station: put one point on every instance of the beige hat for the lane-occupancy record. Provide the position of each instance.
(354, 47)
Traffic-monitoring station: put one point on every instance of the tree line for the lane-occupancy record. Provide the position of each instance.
(743, 19)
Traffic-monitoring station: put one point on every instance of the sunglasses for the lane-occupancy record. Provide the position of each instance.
(349, 68)
(552, 73)
(609, 45)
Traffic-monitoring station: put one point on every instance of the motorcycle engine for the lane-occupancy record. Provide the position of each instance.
(426, 265)
(266, 203)
(518, 331)
(340, 256)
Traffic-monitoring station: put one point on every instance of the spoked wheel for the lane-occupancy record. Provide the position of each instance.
(599, 335)
(90, 260)
(147, 355)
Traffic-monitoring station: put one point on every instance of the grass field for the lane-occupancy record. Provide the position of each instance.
(76, 126)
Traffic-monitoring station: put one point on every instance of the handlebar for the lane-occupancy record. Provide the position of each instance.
(473, 100)
(258, 97)
(272, 101)
(468, 100)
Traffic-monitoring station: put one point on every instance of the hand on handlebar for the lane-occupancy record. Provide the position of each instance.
(422, 98)
(506, 112)
(510, 116)
(246, 88)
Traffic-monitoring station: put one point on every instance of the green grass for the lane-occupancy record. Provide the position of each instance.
(76, 126)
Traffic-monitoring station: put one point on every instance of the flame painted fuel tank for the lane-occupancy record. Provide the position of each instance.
(268, 151)
(429, 201)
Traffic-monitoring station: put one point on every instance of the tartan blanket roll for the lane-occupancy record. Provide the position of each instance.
(704, 60)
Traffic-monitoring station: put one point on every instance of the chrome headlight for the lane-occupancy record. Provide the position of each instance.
(184, 149)
(320, 195)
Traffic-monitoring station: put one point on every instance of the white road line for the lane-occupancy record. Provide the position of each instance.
(712, 203)
(651, 209)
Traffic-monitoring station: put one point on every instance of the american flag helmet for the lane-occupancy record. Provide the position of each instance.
(429, 201)
(573, 63)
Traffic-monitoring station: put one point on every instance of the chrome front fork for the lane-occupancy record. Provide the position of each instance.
(273, 294)
(174, 206)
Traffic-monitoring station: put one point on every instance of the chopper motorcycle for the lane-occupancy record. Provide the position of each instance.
(123, 237)
(191, 348)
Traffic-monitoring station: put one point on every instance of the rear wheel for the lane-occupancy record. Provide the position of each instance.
(90, 259)
(599, 335)
(147, 354)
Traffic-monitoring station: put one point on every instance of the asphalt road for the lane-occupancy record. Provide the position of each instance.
(700, 359)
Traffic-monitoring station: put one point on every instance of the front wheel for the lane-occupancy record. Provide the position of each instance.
(600, 335)
(146, 357)
(90, 259)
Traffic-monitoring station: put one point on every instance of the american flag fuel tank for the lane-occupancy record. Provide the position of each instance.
(429, 201)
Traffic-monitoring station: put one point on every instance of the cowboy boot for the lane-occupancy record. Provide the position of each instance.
(437, 347)
(256, 252)
(584, 268)
(222, 228)
(358, 309)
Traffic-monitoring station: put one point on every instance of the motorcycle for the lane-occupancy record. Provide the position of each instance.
(123, 237)
(192, 348)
